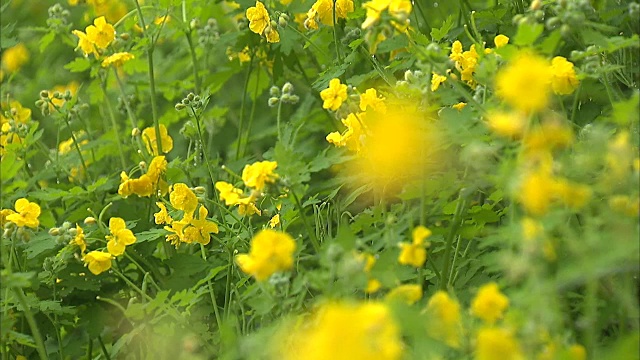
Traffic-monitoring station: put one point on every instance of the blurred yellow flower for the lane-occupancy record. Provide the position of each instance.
(15, 57)
(346, 331)
(408, 293)
(524, 82)
(101, 33)
(489, 303)
(507, 124)
(353, 136)
(26, 214)
(459, 106)
(117, 59)
(496, 343)
(415, 254)
(120, 236)
(258, 174)
(444, 321)
(500, 41)
(271, 251)
(3, 216)
(322, 10)
(399, 9)
(563, 79)
(334, 95)
(149, 139)
(72, 87)
(98, 262)
(368, 260)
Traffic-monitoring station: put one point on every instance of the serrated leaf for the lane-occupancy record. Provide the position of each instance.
(78, 65)
(439, 34)
(528, 33)
(46, 40)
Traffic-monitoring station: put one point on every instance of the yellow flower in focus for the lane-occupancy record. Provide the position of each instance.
(117, 59)
(347, 331)
(101, 33)
(199, 230)
(563, 78)
(228, 193)
(507, 124)
(334, 95)
(500, 41)
(176, 231)
(371, 100)
(26, 214)
(162, 216)
(489, 303)
(258, 18)
(495, 343)
(182, 198)
(98, 262)
(79, 239)
(150, 140)
(258, 174)
(271, 251)
(436, 80)
(15, 57)
(444, 321)
(120, 236)
(524, 82)
(84, 43)
(409, 294)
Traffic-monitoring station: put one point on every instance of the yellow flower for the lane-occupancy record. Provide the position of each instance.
(72, 87)
(494, 343)
(507, 124)
(537, 191)
(409, 293)
(18, 113)
(334, 95)
(271, 251)
(275, 221)
(84, 43)
(444, 322)
(524, 82)
(489, 303)
(563, 79)
(98, 262)
(199, 230)
(120, 236)
(176, 230)
(459, 106)
(322, 10)
(182, 198)
(157, 167)
(26, 214)
(399, 9)
(149, 139)
(272, 35)
(352, 138)
(436, 80)
(500, 41)
(143, 186)
(347, 331)
(162, 216)
(228, 193)
(368, 260)
(456, 51)
(624, 204)
(371, 100)
(79, 239)
(15, 57)
(117, 59)
(258, 18)
(258, 174)
(415, 254)
(531, 229)
(101, 33)
(3, 216)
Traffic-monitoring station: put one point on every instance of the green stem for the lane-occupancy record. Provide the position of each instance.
(591, 314)
(335, 33)
(37, 337)
(114, 123)
(278, 116)
(576, 100)
(243, 105)
(90, 349)
(308, 40)
(132, 115)
(227, 285)
(251, 117)
(453, 230)
(211, 294)
(104, 348)
(312, 234)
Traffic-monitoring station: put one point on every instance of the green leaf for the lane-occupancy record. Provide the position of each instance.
(439, 34)
(258, 83)
(78, 65)
(17, 279)
(46, 40)
(528, 34)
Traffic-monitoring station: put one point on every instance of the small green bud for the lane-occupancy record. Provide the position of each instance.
(273, 101)
(274, 91)
(44, 94)
(180, 106)
(287, 88)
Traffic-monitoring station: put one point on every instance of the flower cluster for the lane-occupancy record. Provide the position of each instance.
(147, 184)
(26, 214)
(398, 9)
(255, 177)
(14, 125)
(193, 226)
(271, 251)
(260, 23)
(96, 37)
(322, 11)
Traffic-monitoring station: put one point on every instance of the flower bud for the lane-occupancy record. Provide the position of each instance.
(180, 106)
(283, 21)
(194, 24)
(65, 226)
(293, 99)
(191, 96)
(142, 165)
(44, 94)
(287, 88)
(535, 5)
(200, 191)
(273, 101)
(125, 36)
(89, 220)
(274, 91)
(135, 132)
(54, 231)
(285, 97)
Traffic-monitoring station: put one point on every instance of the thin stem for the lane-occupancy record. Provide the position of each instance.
(278, 116)
(308, 40)
(37, 337)
(227, 285)
(335, 33)
(211, 294)
(104, 348)
(453, 230)
(312, 234)
(132, 115)
(242, 106)
(251, 116)
(77, 147)
(114, 123)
